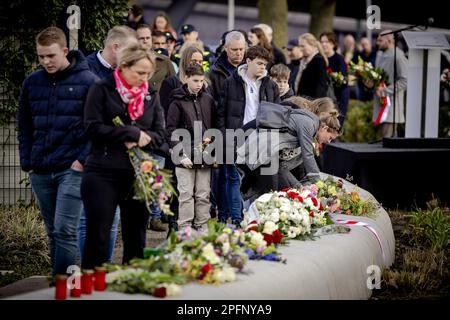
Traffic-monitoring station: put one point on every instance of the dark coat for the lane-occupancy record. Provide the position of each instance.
(103, 104)
(287, 95)
(217, 75)
(230, 113)
(164, 69)
(186, 108)
(97, 67)
(314, 79)
(278, 55)
(50, 117)
(337, 64)
(165, 92)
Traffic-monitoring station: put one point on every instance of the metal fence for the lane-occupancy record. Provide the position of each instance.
(14, 185)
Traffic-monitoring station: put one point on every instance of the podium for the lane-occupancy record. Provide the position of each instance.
(422, 98)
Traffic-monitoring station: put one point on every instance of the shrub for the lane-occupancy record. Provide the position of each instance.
(429, 228)
(358, 125)
(23, 243)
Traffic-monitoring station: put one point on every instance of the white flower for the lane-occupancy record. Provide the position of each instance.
(257, 239)
(284, 201)
(286, 208)
(309, 203)
(173, 289)
(209, 254)
(275, 215)
(305, 193)
(226, 248)
(283, 216)
(270, 227)
(229, 274)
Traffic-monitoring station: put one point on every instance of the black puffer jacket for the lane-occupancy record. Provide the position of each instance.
(103, 104)
(230, 113)
(184, 110)
(217, 75)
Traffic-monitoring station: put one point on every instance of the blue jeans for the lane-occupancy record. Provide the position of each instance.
(230, 200)
(112, 235)
(59, 199)
(156, 212)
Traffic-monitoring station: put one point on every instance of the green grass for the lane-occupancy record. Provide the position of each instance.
(23, 243)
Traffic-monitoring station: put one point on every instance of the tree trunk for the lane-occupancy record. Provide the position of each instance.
(264, 12)
(322, 14)
(274, 13)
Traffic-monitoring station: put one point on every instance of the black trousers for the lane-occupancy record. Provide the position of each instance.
(102, 191)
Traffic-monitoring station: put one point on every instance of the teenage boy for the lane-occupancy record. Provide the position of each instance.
(243, 91)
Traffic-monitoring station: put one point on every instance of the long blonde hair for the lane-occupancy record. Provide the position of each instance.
(310, 39)
(324, 108)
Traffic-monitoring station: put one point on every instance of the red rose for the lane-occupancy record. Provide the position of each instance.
(300, 199)
(160, 292)
(329, 70)
(207, 268)
(292, 194)
(268, 238)
(311, 214)
(277, 236)
(314, 201)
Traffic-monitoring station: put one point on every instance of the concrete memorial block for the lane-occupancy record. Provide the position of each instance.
(336, 266)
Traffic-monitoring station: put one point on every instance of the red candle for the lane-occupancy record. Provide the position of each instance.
(100, 279)
(61, 287)
(87, 282)
(76, 286)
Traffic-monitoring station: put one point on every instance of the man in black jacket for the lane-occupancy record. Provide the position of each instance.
(228, 61)
(242, 93)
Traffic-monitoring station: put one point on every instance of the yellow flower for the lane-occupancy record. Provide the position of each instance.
(332, 190)
(320, 184)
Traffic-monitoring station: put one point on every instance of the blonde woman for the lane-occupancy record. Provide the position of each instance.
(312, 79)
(295, 145)
(109, 175)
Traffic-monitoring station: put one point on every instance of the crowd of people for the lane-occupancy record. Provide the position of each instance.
(158, 81)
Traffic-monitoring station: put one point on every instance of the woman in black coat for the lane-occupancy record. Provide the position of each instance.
(109, 176)
(312, 79)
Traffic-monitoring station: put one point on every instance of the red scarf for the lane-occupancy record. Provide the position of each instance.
(133, 96)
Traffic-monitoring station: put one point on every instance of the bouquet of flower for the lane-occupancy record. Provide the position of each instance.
(366, 72)
(337, 78)
(339, 200)
(287, 214)
(152, 183)
(445, 78)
